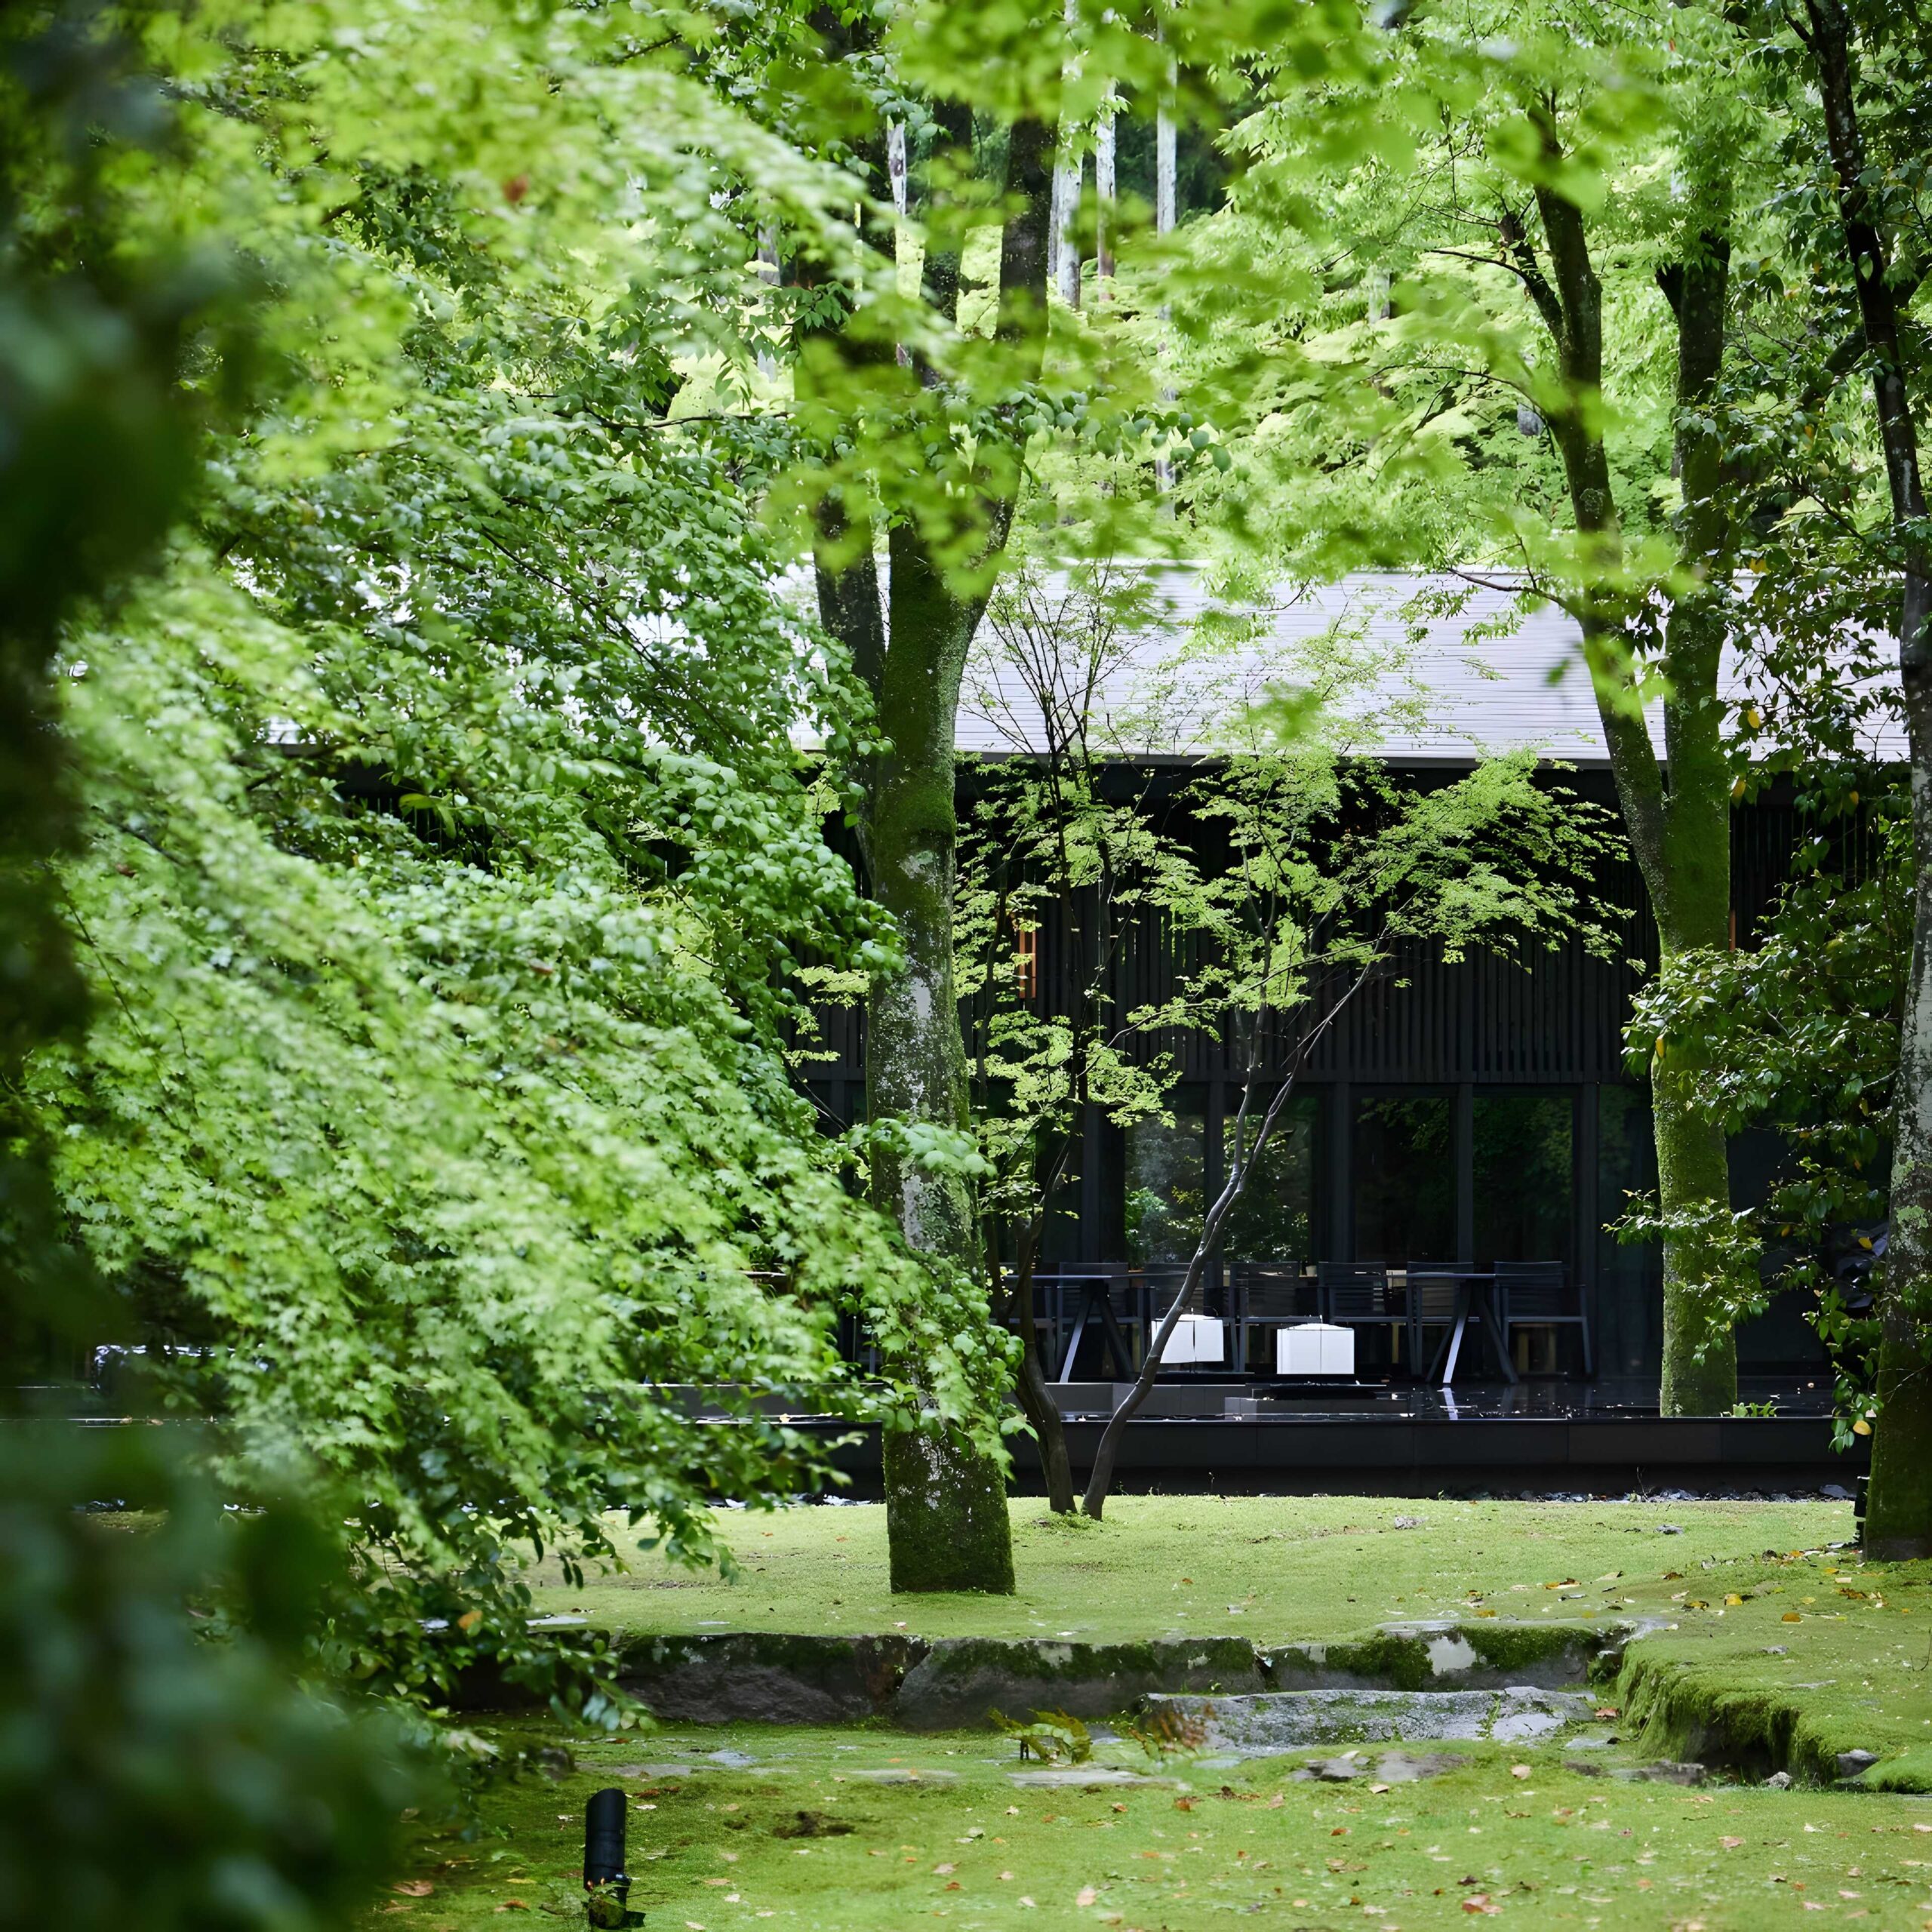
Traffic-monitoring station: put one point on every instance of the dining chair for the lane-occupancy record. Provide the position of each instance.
(1356, 1294)
(1540, 1294)
(1269, 1296)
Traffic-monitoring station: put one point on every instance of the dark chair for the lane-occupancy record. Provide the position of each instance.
(1157, 1283)
(1270, 1296)
(1356, 1294)
(1538, 1294)
(1433, 1301)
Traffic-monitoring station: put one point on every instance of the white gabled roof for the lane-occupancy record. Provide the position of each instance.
(1410, 677)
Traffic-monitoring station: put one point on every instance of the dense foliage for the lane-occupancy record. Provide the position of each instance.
(451, 874)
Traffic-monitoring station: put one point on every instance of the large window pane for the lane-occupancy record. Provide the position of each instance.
(1524, 1172)
(1167, 1184)
(1274, 1219)
(1404, 1164)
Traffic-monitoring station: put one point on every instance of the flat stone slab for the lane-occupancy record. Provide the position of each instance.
(1406, 1768)
(903, 1774)
(1077, 1777)
(1282, 1720)
(960, 1679)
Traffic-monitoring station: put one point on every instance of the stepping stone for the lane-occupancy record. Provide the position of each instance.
(1281, 1721)
(1663, 1772)
(734, 1760)
(1058, 1777)
(1403, 1767)
(1855, 1763)
(904, 1774)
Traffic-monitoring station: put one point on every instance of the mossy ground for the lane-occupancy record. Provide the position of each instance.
(1273, 1569)
(719, 1850)
(1797, 1656)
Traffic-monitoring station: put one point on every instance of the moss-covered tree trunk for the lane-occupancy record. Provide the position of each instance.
(1689, 876)
(1677, 814)
(1898, 1517)
(945, 1501)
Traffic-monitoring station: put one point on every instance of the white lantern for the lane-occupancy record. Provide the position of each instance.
(1196, 1338)
(1315, 1348)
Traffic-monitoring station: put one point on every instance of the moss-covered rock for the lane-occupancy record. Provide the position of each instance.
(962, 1678)
(753, 1677)
(1477, 1656)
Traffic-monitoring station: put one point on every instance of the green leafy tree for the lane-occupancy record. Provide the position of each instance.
(1282, 871)
(1853, 56)
(1514, 376)
(151, 1772)
(449, 870)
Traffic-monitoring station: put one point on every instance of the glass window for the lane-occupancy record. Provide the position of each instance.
(1404, 1164)
(1525, 1171)
(1167, 1183)
(1274, 1219)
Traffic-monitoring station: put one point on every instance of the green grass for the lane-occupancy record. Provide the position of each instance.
(967, 1848)
(1271, 1568)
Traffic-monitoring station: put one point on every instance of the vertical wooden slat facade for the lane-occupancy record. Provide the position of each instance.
(1552, 1023)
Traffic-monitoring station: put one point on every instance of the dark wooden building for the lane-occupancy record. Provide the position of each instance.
(1465, 1114)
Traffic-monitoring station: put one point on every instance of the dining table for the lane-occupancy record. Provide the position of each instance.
(1475, 1299)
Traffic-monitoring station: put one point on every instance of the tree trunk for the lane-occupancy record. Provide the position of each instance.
(1104, 196)
(946, 1500)
(1691, 887)
(1681, 835)
(1035, 1397)
(946, 1517)
(1898, 1517)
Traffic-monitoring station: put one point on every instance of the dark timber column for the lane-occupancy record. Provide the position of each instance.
(1213, 1156)
(1587, 1219)
(1465, 1140)
(1341, 1173)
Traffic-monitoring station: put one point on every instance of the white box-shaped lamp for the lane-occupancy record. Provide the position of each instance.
(1196, 1338)
(1315, 1348)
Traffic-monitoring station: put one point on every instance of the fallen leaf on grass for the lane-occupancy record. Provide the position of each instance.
(1604, 1713)
(1480, 1902)
(1519, 1770)
(512, 1905)
(414, 1888)
(1791, 1616)
(940, 1871)
(1730, 1844)
(1568, 1583)
(1086, 1896)
(1378, 1789)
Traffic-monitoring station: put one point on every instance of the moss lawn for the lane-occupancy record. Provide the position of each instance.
(796, 1832)
(1274, 1569)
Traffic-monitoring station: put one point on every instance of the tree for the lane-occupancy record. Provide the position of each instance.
(1280, 875)
(1538, 167)
(450, 869)
(256, 1801)
(908, 639)
(1899, 1512)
